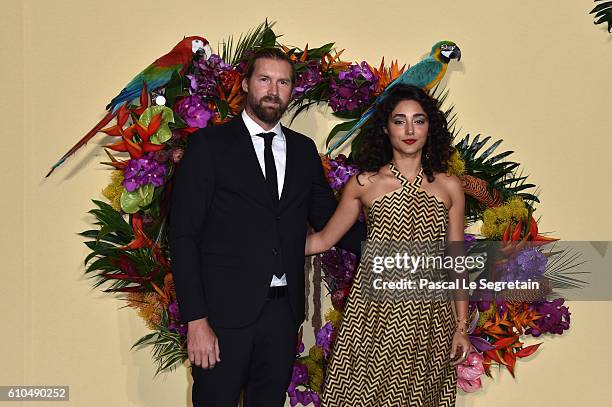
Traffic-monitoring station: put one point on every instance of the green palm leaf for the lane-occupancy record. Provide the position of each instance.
(262, 35)
(603, 13)
(168, 348)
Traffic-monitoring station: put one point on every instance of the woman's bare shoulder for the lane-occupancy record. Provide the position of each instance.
(367, 178)
(450, 182)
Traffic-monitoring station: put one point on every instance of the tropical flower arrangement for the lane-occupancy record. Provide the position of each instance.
(129, 246)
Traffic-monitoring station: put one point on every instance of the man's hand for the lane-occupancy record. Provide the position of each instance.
(202, 344)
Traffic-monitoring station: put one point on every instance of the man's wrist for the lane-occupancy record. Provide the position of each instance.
(196, 322)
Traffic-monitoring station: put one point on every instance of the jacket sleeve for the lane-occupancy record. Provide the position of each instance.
(323, 204)
(192, 193)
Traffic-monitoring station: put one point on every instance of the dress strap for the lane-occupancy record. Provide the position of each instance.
(416, 181)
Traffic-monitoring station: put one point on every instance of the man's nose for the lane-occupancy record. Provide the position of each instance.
(273, 89)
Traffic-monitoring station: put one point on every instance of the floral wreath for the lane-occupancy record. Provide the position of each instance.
(129, 244)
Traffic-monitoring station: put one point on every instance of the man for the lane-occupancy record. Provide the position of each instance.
(243, 194)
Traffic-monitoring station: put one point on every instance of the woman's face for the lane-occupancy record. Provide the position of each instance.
(407, 127)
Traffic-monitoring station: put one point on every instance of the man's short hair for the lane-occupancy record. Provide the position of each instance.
(270, 53)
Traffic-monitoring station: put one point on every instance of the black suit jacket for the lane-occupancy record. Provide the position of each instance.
(228, 236)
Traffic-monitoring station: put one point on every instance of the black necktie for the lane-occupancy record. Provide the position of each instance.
(269, 164)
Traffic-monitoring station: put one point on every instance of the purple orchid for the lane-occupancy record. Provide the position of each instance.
(555, 317)
(203, 80)
(340, 265)
(175, 325)
(528, 264)
(353, 87)
(143, 171)
(325, 338)
(308, 79)
(194, 111)
(299, 376)
(303, 397)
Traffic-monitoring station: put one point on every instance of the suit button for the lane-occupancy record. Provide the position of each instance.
(275, 251)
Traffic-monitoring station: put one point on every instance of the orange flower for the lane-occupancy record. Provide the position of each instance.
(506, 329)
(136, 148)
(140, 238)
(333, 63)
(386, 75)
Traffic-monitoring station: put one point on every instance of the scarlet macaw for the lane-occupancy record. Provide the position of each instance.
(153, 77)
(425, 74)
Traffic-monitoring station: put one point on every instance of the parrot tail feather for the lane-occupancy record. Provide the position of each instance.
(105, 120)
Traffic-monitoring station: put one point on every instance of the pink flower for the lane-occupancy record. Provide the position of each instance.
(469, 372)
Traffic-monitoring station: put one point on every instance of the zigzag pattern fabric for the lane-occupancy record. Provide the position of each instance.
(394, 352)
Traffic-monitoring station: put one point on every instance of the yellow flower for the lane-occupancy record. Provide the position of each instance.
(456, 165)
(316, 354)
(315, 379)
(486, 315)
(334, 316)
(114, 190)
(496, 220)
(149, 307)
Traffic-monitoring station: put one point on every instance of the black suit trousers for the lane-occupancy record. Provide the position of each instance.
(257, 358)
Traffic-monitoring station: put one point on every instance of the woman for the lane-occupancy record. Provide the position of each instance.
(390, 352)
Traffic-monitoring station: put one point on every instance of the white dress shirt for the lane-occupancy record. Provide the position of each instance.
(279, 151)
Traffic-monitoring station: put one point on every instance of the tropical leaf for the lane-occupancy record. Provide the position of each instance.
(168, 348)
(603, 13)
(344, 126)
(254, 38)
(560, 262)
(494, 169)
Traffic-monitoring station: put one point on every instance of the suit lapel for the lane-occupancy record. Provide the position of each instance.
(247, 161)
(290, 166)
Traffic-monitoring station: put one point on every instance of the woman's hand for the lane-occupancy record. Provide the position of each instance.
(314, 244)
(460, 348)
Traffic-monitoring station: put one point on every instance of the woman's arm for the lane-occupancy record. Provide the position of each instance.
(455, 237)
(344, 217)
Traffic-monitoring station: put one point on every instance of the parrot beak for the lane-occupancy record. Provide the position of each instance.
(456, 54)
(207, 51)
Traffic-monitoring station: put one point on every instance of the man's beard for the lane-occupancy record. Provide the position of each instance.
(268, 115)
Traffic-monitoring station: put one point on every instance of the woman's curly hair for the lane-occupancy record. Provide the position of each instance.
(376, 150)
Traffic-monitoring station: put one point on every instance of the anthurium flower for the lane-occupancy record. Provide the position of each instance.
(469, 372)
(156, 133)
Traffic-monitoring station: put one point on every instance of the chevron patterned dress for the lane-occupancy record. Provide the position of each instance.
(395, 353)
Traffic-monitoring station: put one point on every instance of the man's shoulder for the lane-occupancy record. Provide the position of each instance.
(217, 136)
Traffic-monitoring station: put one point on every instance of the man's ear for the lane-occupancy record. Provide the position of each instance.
(245, 85)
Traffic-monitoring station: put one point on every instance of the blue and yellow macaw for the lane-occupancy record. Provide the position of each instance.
(155, 76)
(426, 74)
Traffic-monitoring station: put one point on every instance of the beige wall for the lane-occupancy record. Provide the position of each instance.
(535, 73)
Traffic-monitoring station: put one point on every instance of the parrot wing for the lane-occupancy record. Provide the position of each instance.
(154, 76)
(424, 74)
